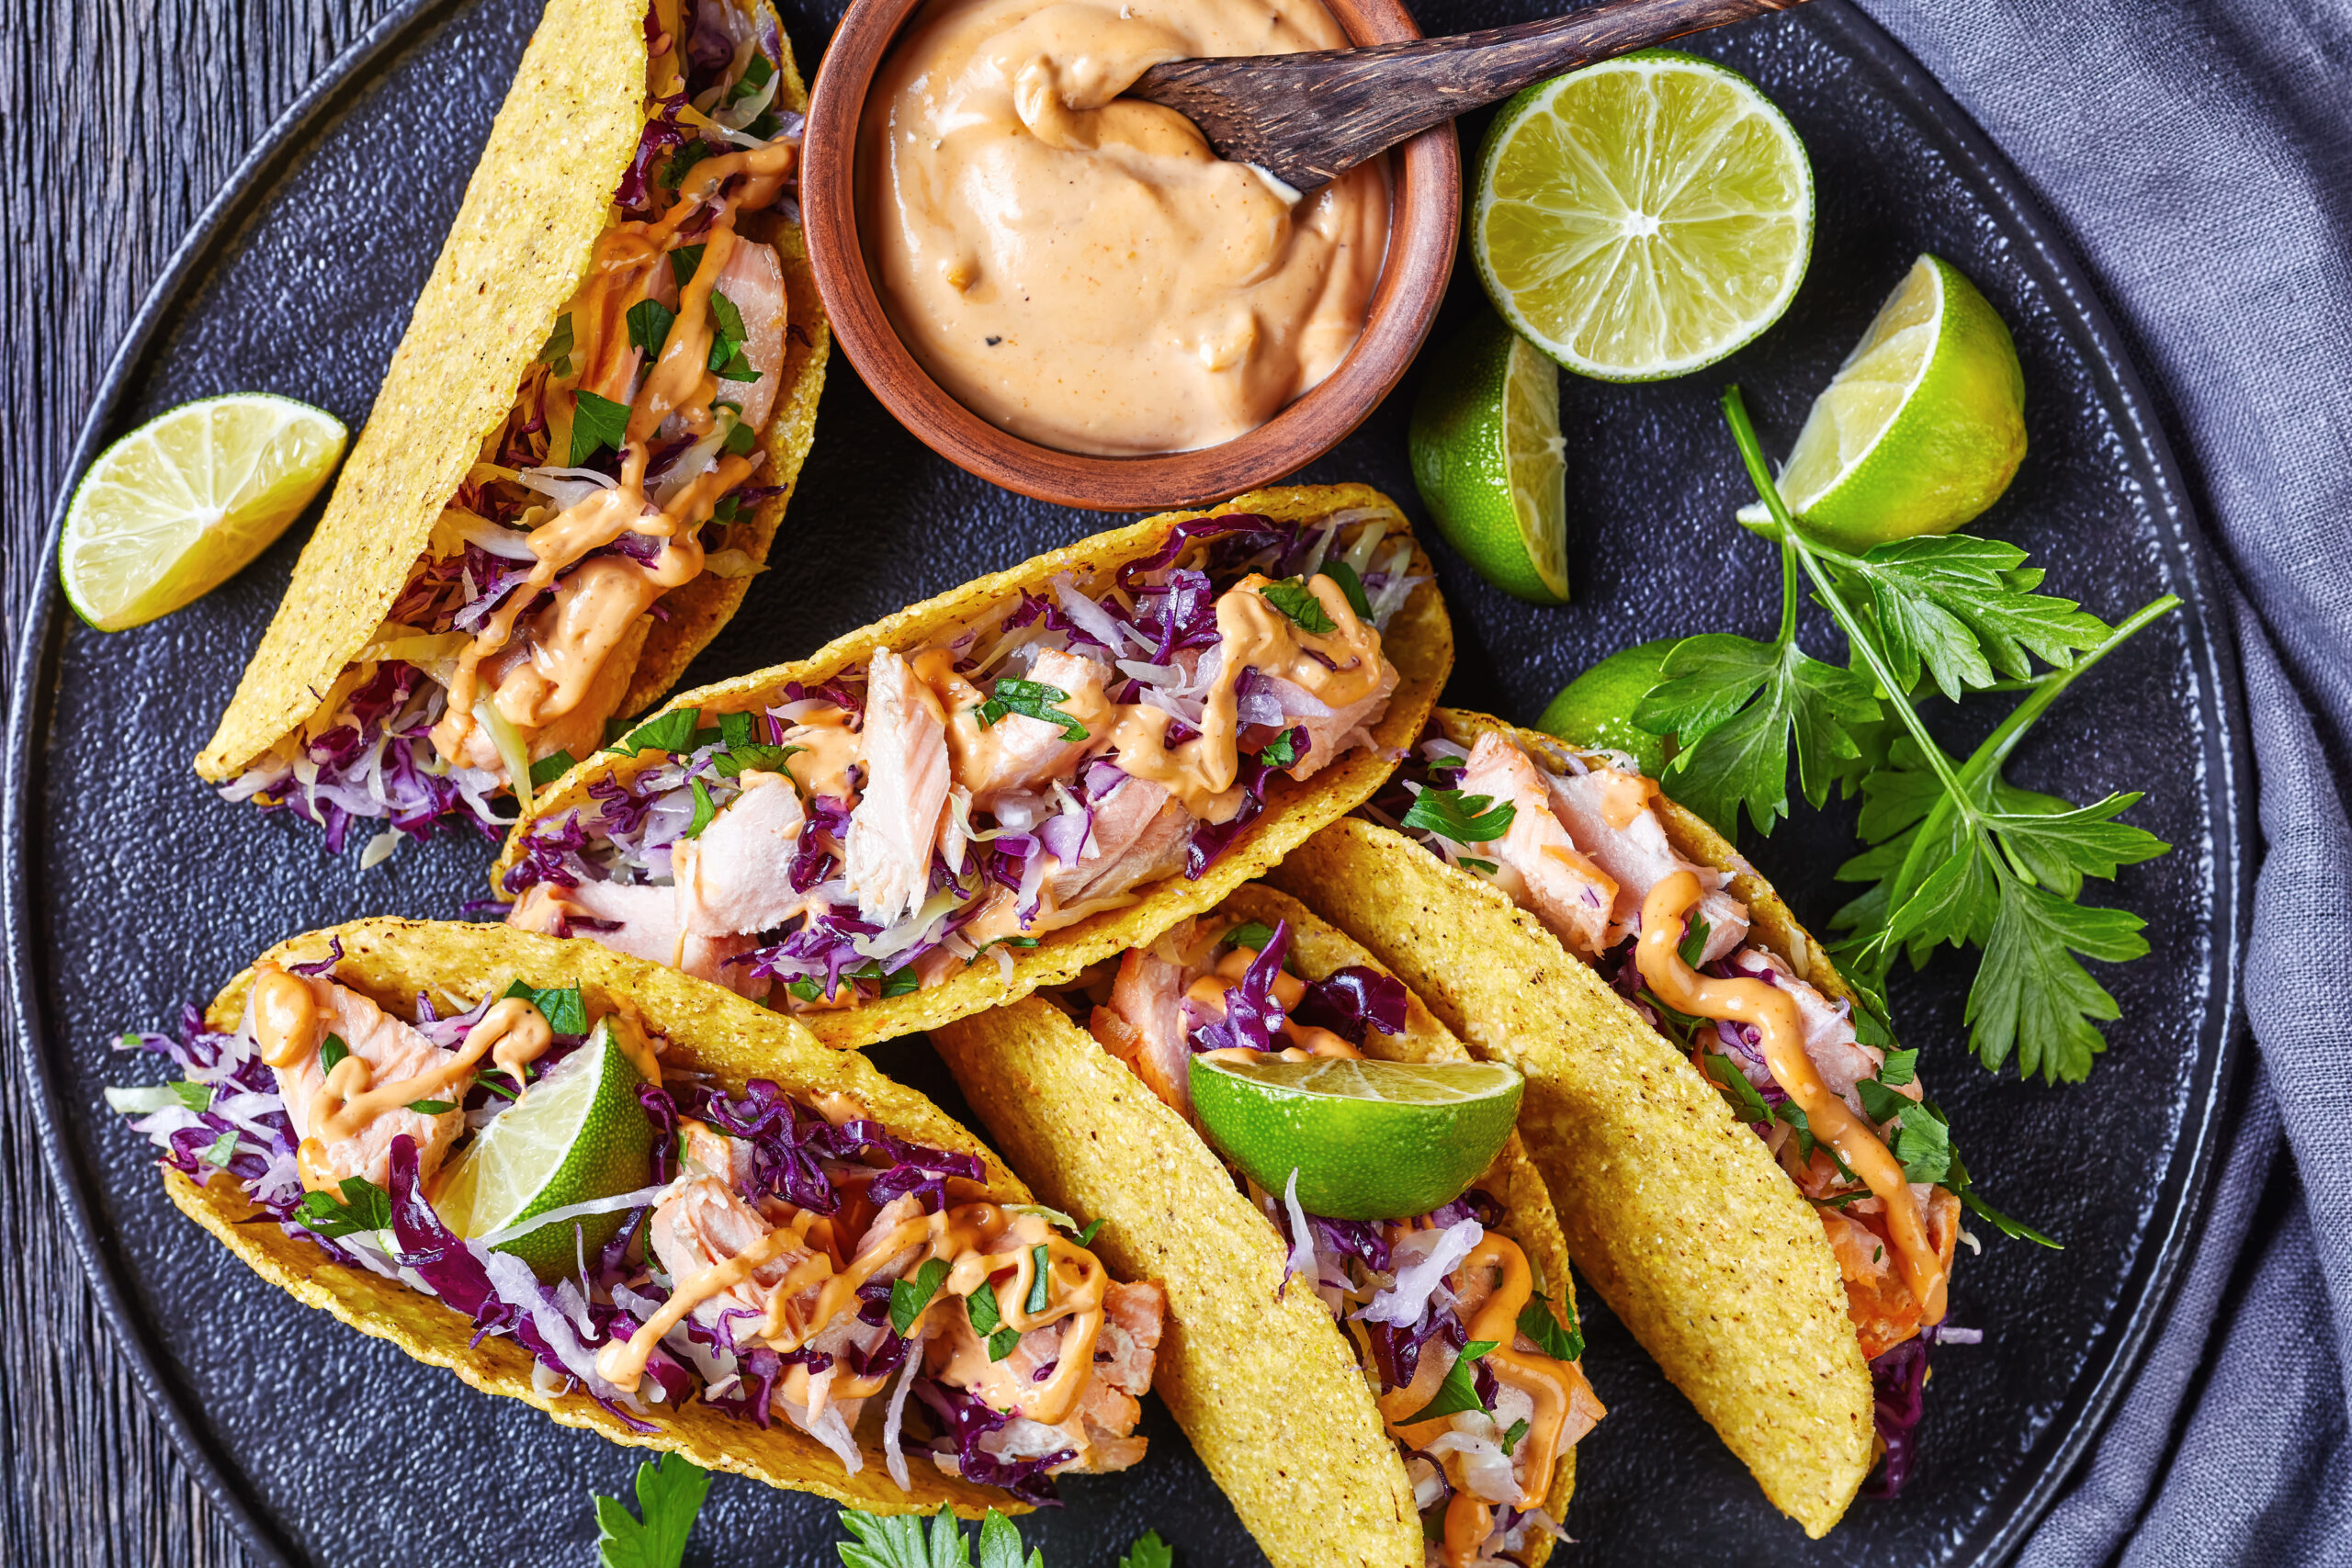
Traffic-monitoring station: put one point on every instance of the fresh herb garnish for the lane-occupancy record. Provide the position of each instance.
(1459, 1392)
(704, 811)
(562, 1007)
(909, 1297)
(332, 1053)
(898, 1541)
(222, 1150)
(670, 1492)
(1790, 1112)
(1535, 1321)
(1464, 819)
(1960, 856)
(1095, 1228)
(1252, 934)
(729, 506)
(740, 438)
(596, 423)
(546, 770)
(805, 988)
(1922, 1139)
(196, 1096)
(1041, 1280)
(672, 731)
(1694, 941)
(431, 1107)
(555, 353)
(1281, 751)
(675, 168)
(1747, 1100)
(683, 262)
(756, 72)
(1297, 601)
(1472, 862)
(1341, 572)
(649, 326)
(726, 359)
(1512, 1437)
(364, 1207)
(1032, 700)
(1149, 1551)
(989, 1322)
(1901, 1067)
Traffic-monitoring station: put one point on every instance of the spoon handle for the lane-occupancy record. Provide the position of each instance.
(1309, 117)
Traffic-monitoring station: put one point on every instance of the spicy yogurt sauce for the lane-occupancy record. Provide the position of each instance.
(1081, 269)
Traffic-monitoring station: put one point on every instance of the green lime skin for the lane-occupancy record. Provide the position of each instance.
(1596, 709)
(1355, 1158)
(1460, 453)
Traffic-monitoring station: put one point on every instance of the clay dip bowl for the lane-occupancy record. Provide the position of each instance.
(1425, 216)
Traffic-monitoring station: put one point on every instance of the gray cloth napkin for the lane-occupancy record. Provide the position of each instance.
(2199, 155)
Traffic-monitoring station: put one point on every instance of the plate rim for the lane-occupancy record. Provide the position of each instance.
(2222, 1058)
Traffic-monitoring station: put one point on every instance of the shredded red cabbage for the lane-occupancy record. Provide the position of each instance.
(963, 1420)
(1352, 1001)
(1898, 1386)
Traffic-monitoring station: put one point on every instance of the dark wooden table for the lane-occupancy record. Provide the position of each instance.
(119, 120)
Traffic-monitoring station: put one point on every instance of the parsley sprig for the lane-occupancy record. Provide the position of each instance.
(1960, 855)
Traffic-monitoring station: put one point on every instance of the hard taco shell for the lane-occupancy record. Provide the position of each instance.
(710, 1030)
(1264, 1384)
(519, 248)
(1419, 642)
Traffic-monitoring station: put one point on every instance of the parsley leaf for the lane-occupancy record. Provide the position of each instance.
(909, 1297)
(896, 1540)
(596, 423)
(1746, 1100)
(1694, 941)
(546, 770)
(681, 162)
(986, 1321)
(1535, 1321)
(1788, 1110)
(672, 731)
(364, 1207)
(1000, 1544)
(431, 1107)
(562, 1007)
(1464, 819)
(1252, 934)
(196, 1096)
(727, 358)
(1281, 751)
(222, 1150)
(1295, 599)
(740, 437)
(1086, 1237)
(1031, 699)
(1041, 1280)
(1341, 572)
(1512, 1437)
(1901, 1067)
(1737, 706)
(332, 1053)
(683, 262)
(649, 326)
(2033, 997)
(1459, 1392)
(555, 353)
(756, 73)
(1149, 1551)
(670, 1492)
(1954, 607)
(704, 811)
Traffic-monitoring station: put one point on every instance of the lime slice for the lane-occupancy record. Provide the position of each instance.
(577, 1134)
(1488, 456)
(1596, 709)
(1369, 1140)
(1923, 426)
(1642, 218)
(179, 506)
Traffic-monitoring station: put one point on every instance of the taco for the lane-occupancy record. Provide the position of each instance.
(581, 449)
(1299, 1346)
(996, 788)
(1746, 1167)
(752, 1250)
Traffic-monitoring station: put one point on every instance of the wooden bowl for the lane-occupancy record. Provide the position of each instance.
(1425, 216)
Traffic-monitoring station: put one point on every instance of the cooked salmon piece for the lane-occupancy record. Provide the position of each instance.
(1140, 833)
(1019, 754)
(752, 281)
(1099, 1426)
(640, 920)
(736, 878)
(1886, 1313)
(1555, 881)
(1636, 856)
(1840, 1058)
(701, 1224)
(896, 822)
(1146, 1014)
(1330, 737)
(392, 1051)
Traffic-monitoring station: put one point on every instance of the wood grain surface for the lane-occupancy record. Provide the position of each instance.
(119, 120)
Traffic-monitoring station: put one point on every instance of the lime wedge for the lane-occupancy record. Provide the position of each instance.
(1642, 218)
(577, 1134)
(1922, 428)
(1596, 709)
(1369, 1140)
(179, 506)
(1488, 456)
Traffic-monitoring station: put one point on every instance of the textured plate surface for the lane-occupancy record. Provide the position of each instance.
(131, 888)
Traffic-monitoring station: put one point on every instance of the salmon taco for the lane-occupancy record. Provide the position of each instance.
(651, 1208)
(1394, 1384)
(996, 788)
(1746, 1167)
(581, 449)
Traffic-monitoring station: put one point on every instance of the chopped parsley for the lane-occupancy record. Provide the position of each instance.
(364, 1207)
(909, 1297)
(431, 1107)
(705, 810)
(1341, 572)
(1252, 934)
(546, 770)
(196, 1096)
(562, 1007)
(1459, 1392)
(332, 1054)
(555, 353)
(989, 1322)
(726, 359)
(683, 262)
(1746, 1102)
(757, 72)
(1535, 1321)
(1464, 819)
(1295, 599)
(1694, 941)
(674, 172)
(224, 1150)
(649, 326)
(1030, 699)
(1512, 1437)
(670, 1492)
(740, 438)
(1281, 751)
(596, 423)
(1086, 1237)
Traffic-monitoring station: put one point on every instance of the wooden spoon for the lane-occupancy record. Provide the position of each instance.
(1307, 118)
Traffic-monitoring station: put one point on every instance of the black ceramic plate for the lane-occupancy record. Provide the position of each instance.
(133, 888)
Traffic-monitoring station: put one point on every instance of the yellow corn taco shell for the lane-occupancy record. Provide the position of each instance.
(710, 1030)
(1419, 642)
(518, 250)
(1264, 1384)
(1674, 1210)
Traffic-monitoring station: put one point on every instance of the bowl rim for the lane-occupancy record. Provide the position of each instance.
(1425, 216)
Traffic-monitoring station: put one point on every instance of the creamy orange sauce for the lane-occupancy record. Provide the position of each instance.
(512, 1033)
(288, 1024)
(1774, 1012)
(831, 750)
(977, 1240)
(1307, 1039)
(1080, 268)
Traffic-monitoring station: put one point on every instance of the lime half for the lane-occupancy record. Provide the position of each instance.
(1596, 709)
(1488, 459)
(179, 506)
(1922, 428)
(1369, 1140)
(577, 1134)
(1642, 218)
